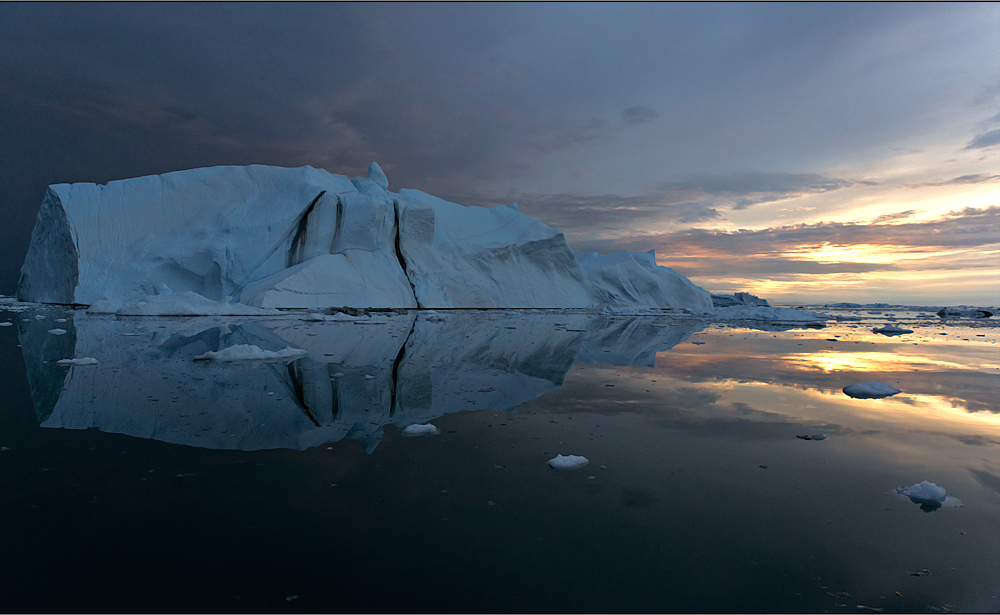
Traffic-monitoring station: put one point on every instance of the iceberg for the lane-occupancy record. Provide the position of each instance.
(193, 242)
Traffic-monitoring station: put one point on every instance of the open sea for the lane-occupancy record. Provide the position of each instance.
(154, 482)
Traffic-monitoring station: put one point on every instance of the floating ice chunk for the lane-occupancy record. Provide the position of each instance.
(819, 436)
(248, 352)
(891, 330)
(6, 324)
(871, 390)
(421, 430)
(57, 331)
(568, 462)
(923, 491)
(80, 361)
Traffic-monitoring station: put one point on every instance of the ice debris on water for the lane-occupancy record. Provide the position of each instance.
(80, 361)
(871, 390)
(6, 324)
(568, 462)
(249, 352)
(57, 331)
(819, 436)
(421, 430)
(928, 495)
(892, 330)
(923, 491)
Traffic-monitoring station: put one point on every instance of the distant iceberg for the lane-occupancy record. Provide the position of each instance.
(270, 237)
(738, 299)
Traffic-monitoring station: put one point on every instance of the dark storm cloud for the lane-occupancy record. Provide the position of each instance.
(987, 139)
(456, 98)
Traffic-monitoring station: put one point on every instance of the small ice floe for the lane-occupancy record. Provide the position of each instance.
(6, 324)
(892, 330)
(80, 361)
(870, 390)
(421, 430)
(929, 496)
(568, 462)
(819, 436)
(57, 331)
(248, 352)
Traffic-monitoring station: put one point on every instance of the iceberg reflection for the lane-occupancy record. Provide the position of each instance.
(399, 368)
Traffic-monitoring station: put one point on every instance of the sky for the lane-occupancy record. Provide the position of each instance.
(806, 153)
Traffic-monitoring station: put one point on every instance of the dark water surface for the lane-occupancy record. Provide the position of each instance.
(154, 482)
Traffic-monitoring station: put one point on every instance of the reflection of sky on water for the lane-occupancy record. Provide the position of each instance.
(698, 495)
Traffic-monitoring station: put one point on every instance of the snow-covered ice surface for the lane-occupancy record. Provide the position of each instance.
(871, 390)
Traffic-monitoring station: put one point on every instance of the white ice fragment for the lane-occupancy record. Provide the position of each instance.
(871, 390)
(6, 324)
(80, 361)
(247, 352)
(421, 430)
(568, 462)
(57, 331)
(923, 491)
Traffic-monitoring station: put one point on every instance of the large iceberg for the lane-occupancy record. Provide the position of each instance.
(271, 237)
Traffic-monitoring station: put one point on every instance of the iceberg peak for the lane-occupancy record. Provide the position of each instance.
(377, 176)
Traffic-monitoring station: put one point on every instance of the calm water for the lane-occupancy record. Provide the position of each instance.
(152, 482)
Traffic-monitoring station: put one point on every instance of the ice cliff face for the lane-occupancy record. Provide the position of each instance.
(305, 238)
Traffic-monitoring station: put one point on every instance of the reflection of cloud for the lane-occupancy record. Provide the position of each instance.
(986, 479)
